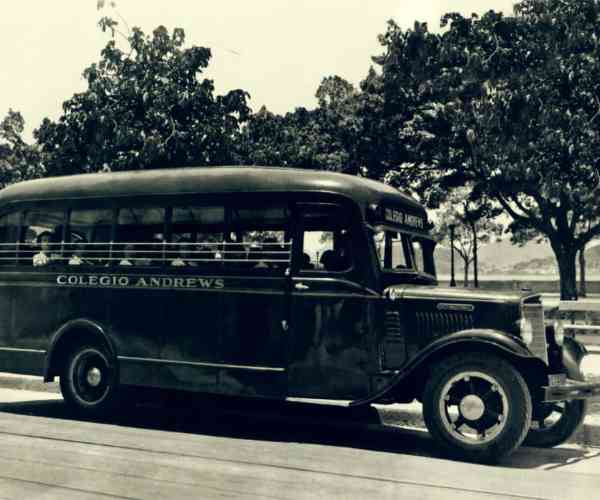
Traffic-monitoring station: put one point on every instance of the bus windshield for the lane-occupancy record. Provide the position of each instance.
(397, 251)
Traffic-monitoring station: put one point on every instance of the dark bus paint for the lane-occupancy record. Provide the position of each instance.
(207, 279)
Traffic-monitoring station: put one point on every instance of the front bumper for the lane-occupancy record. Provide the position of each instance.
(571, 389)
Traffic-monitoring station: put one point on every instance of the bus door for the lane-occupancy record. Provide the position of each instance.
(333, 312)
(255, 313)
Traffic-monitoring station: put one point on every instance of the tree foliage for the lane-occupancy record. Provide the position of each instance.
(144, 107)
(18, 160)
(511, 107)
(322, 138)
(472, 223)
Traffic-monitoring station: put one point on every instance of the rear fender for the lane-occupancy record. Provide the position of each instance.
(82, 328)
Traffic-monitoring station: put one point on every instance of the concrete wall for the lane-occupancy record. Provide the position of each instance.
(542, 286)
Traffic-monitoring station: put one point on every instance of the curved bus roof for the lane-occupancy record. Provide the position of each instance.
(206, 180)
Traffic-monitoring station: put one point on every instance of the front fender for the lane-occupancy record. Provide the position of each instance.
(467, 340)
(572, 354)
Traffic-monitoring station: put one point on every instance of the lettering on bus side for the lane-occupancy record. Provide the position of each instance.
(119, 281)
(403, 218)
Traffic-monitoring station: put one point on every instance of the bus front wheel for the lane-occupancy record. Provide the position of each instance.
(477, 406)
(89, 382)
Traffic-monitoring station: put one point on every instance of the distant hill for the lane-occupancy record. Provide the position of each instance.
(592, 262)
(503, 257)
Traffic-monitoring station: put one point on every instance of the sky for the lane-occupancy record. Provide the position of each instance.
(277, 50)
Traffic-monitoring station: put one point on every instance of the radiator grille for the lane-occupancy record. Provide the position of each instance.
(535, 314)
(394, 342)
(442, 323)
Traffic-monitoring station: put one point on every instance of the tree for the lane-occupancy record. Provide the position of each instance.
(513, 110)
(144, 107)
(323, 138)
(397, 148)
(473, 226)
(18, 160)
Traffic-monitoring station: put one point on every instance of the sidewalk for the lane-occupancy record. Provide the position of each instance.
(407, 415)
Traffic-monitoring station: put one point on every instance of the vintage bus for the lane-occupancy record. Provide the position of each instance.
(272, 283)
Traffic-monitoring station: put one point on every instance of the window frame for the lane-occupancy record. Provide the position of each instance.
(351, 273)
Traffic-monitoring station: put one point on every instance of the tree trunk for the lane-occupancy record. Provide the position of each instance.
(475, 261)
(466, 269)
(567, 270)
(582, 285)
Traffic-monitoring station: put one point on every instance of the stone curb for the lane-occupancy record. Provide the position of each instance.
(411, 416)
(392, 415)
(27, 383)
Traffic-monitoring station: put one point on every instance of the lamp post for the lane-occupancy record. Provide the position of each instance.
(452, 278)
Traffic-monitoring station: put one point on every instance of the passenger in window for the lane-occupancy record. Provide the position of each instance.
(77, 257)
(271, 251)
(186, 254)
(45, 256)
(256, 257)
(153, 255)
(326, 260)
(205, 253)
(128, 255)
(235, 252)
(306, 263)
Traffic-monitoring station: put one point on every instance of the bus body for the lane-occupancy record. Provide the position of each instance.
(271, 283)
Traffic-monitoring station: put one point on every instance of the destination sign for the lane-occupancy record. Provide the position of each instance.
(120, 281)
(396, 216)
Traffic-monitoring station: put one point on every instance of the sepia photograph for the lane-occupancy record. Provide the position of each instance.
(300, 249)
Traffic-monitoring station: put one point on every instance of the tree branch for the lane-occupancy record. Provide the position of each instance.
(173, 129)
(597, 112)
(585, 238)
(495, 50)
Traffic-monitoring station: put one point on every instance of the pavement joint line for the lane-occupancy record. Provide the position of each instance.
(380, 479)
(54, 486)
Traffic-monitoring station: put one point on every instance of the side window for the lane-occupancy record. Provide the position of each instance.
(89, 236)
(140, 237)
(326, 238)
(317, 246)
(197, 236)
(9, 235)
(43, 243)
(259, 237)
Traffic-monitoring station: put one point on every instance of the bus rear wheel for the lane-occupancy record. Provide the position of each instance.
(89, 383)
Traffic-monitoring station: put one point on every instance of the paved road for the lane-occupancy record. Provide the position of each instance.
(198, 451)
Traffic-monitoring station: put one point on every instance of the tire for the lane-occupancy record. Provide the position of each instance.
(477, 406)
(89, 382)
(554, 423)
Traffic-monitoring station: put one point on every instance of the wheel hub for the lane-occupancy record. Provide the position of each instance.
(94, 376)
(472, 407)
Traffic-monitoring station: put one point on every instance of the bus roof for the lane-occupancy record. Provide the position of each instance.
(205, 180)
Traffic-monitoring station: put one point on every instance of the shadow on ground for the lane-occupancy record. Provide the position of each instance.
(238, 418)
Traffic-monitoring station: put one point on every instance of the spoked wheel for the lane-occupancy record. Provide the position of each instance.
(477, 407)
(89, 382)
(474, 407)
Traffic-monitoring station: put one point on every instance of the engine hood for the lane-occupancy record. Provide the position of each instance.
(464, 295)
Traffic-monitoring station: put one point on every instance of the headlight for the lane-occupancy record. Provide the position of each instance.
(559, 332)
(526, 328)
